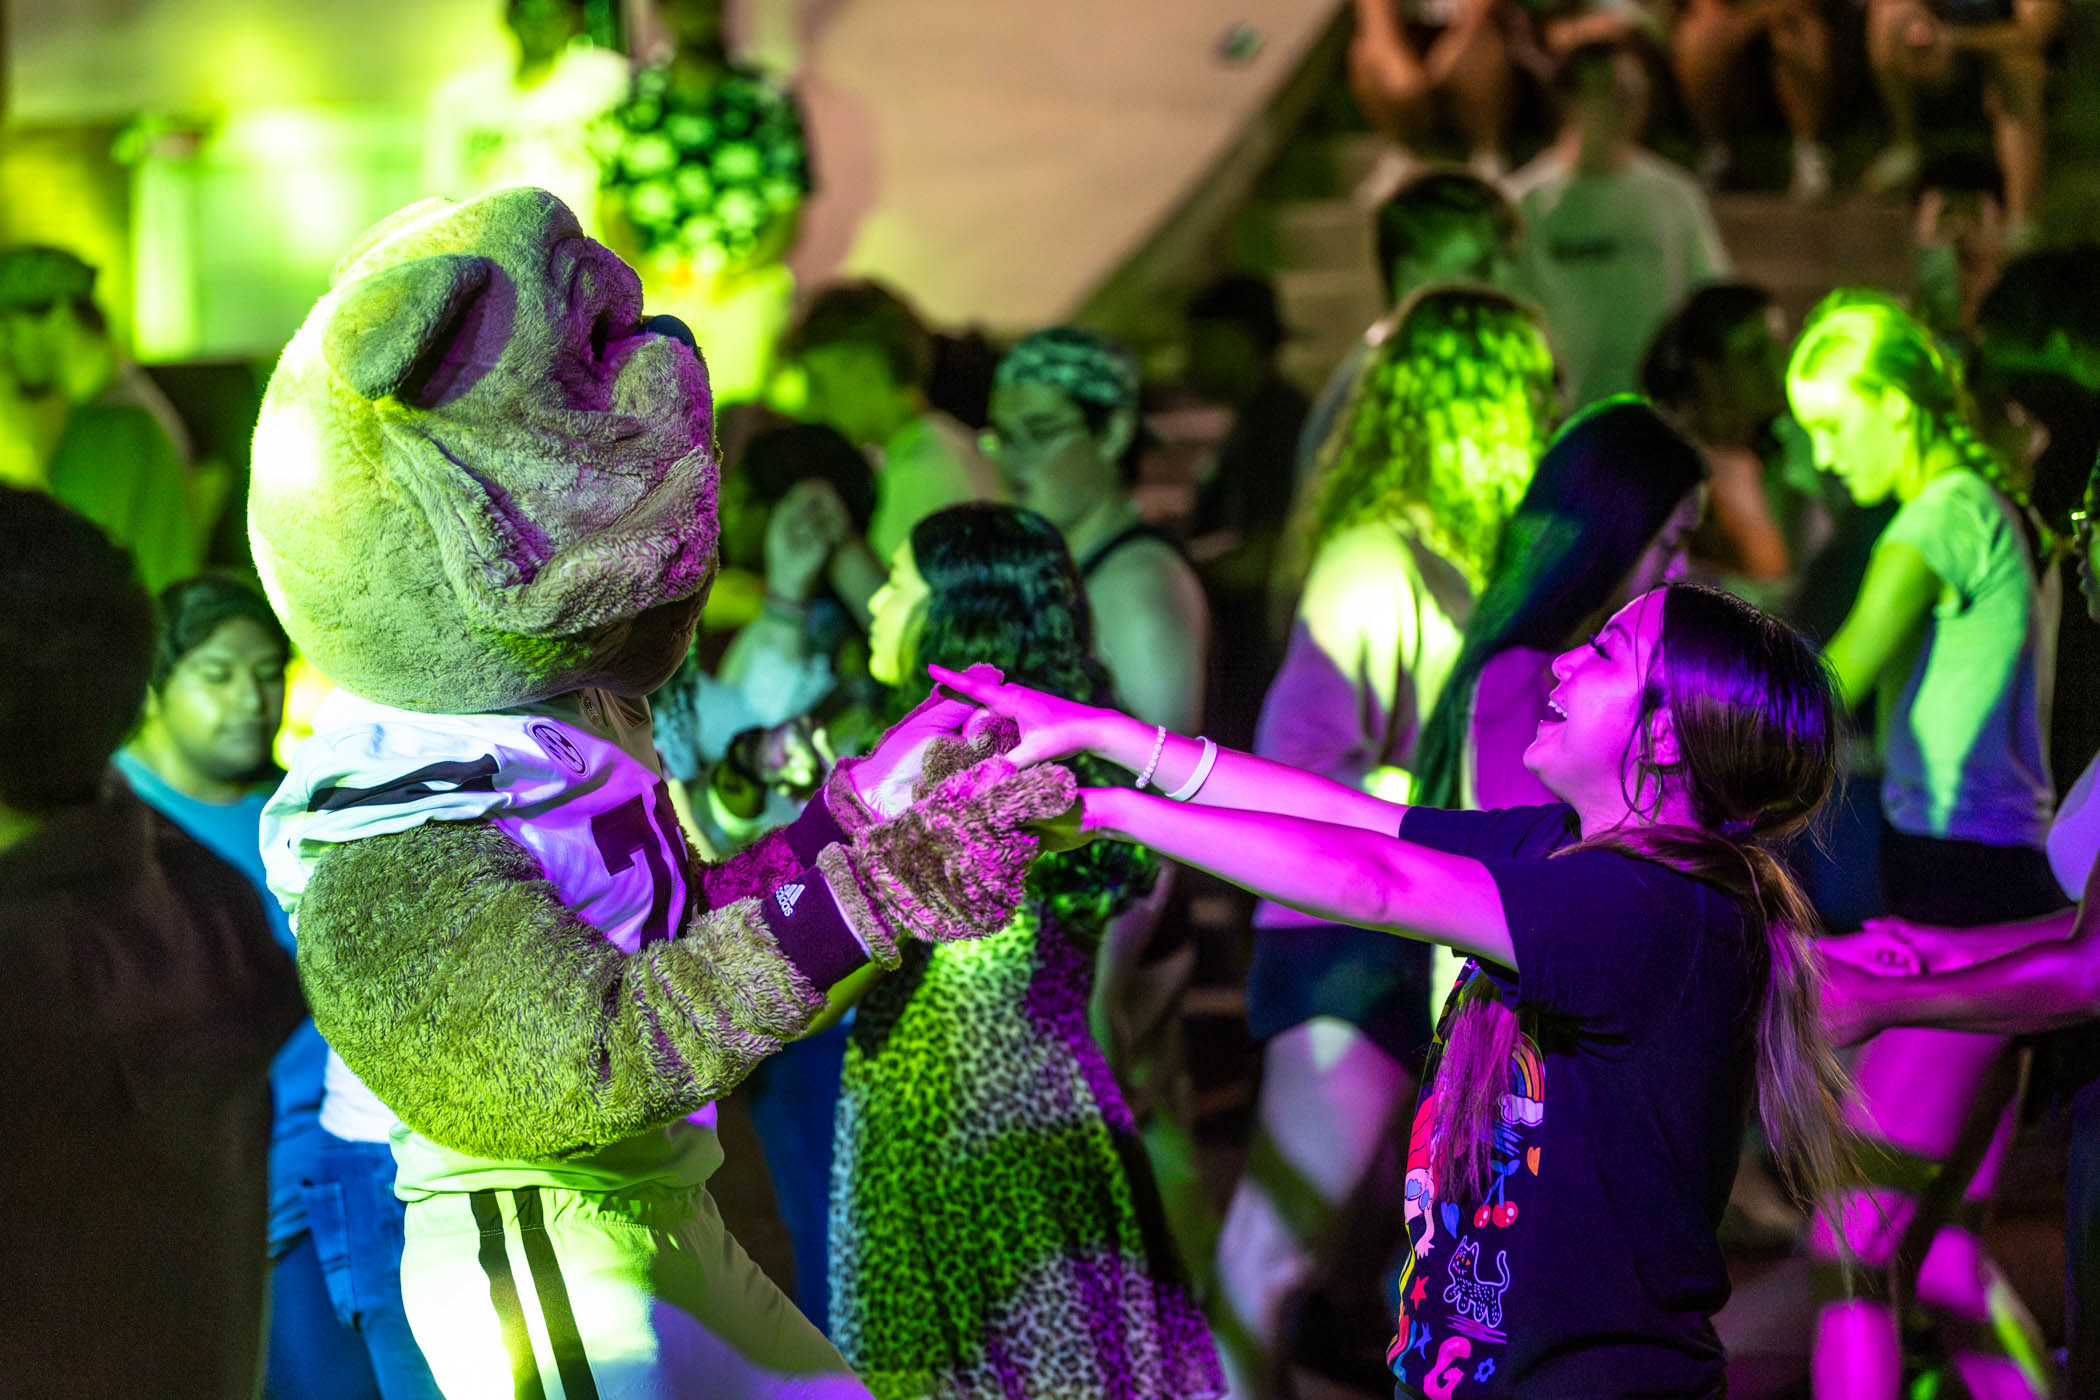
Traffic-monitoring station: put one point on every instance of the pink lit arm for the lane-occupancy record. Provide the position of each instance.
(1342, 873)
(2045, 986)
(1052, 728)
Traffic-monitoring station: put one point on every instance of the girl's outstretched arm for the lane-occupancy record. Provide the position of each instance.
(1342, 873)
(1053, 727)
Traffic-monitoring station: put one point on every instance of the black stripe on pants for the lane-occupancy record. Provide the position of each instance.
(503, 1295)
(562, 1333)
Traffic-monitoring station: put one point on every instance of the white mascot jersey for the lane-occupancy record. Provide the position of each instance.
(577, 785)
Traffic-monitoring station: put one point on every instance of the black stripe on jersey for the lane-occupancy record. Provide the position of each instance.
(503, 1293)
(562, 1333)
(478, 776)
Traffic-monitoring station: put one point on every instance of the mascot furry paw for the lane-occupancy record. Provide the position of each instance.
(483, 504)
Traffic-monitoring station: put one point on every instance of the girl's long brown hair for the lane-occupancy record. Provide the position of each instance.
(1752, 707)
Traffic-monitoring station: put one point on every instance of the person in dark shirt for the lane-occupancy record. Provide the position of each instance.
(143, 1001)
(1640, 977)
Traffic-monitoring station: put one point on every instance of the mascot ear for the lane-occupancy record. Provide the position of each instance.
(402, 319)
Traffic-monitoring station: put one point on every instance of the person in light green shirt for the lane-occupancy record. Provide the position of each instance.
(864, 358)
(84, 425)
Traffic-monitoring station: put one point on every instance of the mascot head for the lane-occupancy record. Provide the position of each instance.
(479, 478)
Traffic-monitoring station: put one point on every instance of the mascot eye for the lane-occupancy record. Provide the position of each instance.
(601, 333)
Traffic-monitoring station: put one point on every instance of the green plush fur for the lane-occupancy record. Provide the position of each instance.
(477, 481)
(441, 967)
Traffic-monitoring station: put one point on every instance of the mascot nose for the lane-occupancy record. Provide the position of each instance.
(672, 327)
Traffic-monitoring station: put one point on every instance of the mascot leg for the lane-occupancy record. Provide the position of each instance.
(572, 1295)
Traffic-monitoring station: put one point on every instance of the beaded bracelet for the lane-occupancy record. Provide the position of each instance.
(1159, 746)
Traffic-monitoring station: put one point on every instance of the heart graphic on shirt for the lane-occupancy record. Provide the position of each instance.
(1531, 1160)
(1450, 1214)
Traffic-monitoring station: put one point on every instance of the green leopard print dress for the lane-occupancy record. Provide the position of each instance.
(995, 1229)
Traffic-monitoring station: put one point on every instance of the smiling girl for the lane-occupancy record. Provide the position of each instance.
(1639, 977)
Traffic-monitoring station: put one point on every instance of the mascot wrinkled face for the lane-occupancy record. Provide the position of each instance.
(479, 479)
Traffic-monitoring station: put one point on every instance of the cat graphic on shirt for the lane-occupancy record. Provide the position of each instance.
(1474, 1296)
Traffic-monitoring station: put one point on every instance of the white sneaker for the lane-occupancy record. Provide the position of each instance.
(1811, 182)
(1894, 170)
(1713, 164)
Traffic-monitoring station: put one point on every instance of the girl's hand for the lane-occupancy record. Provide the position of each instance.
(1051, 727)
(883, 781)
(1851, 1003)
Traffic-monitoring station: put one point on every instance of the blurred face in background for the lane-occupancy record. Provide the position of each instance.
(1051, 460)
(543, 28)
(897, 615)
(1225, 360)
(1663, 561)
(848, 387)
(210, 724)
(1860, 432)
(1747, 385)
(58, 349)
(1610, 107)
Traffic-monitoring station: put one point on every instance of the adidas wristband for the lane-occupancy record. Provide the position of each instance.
(804, 918)
(811, 832)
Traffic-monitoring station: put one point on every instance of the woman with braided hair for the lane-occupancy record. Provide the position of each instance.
(1951, 636)
(996, 1231)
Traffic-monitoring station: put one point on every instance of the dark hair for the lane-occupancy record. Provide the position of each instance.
(194, 608)
(1698, 335)
(1754, 713)
(1130, 461)
(1428, 209)
(1002, 588)
(76, 628)
(1605, 485)
(778, 459)
(2039, 294)
(1243, 300)
(867, 314)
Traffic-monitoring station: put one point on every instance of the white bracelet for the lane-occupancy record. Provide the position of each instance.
(1159, 746)
(1195, 783)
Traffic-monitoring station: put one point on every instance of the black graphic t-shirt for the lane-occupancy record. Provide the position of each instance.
(1590, 1268)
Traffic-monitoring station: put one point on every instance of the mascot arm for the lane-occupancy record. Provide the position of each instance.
(441, 965)
(443, 968)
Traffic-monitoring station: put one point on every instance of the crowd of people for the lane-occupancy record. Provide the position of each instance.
(1513, 675)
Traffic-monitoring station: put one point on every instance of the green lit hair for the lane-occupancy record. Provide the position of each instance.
(1866, 339)
(1444, 426)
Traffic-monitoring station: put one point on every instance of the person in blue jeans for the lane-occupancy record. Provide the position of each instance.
(201, 757)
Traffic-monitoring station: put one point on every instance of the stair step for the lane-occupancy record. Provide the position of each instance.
(1321, 233)
(1307, 363)
(1326, 303)
(1801, 251)
(1350, 158)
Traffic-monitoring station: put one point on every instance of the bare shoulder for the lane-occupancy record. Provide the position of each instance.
(1143, 568)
